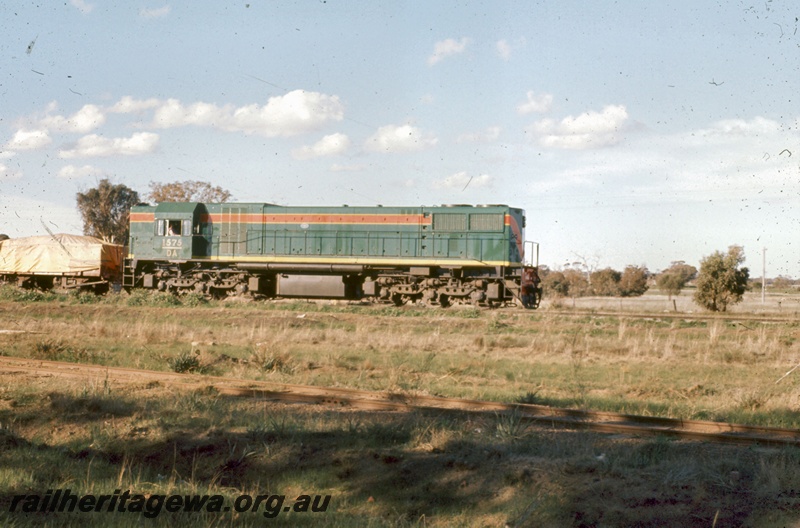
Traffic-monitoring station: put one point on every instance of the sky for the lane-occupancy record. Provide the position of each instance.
(631, 132)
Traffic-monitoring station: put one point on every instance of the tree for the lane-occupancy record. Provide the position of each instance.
(187, 191)
(605, 282)
(577, 283)
(555, 283)
(720, 281)
(781, 282)
(105, 210)
(670, 283)
(586, 265)
(567, 283)
(633, 282)
(686, 271)
(673, 279)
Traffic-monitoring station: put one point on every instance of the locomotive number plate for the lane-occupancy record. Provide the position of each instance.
(172, 243)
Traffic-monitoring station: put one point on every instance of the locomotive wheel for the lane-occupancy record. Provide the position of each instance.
(444, 301)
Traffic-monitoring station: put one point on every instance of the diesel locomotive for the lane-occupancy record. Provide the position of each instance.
(432, 255)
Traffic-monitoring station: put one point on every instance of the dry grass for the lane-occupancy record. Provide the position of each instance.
(381, 469)
(419, 469)
(634, 364)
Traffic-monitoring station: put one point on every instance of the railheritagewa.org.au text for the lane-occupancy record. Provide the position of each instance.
(153, 505)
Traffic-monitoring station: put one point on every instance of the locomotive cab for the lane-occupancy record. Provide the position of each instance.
(177, 230)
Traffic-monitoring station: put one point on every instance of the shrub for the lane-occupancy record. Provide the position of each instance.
(185, 362)
(194, 299)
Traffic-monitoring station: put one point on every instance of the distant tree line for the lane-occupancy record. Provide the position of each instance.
(781, 283)
(608, 282)
(720, 282)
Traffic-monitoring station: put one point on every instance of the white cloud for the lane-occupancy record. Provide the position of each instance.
(731, 159)
(535, 104)
(72, 172)
(172, 113)
(291, 114)
(29, 140)
(294, 113)
(93, 146)
(327, 146)
(733, 128)
(402, 138)
(82, 6)
(447, 48)
(462, 180)
(128, 105)
(504, 48)
(336, 167)
(730, 155)
(7, 174)
(154, 13)
(587, 131)
(487, 136)
(84, 120)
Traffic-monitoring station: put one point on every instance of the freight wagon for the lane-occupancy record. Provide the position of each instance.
(433, 255)
(60, 261)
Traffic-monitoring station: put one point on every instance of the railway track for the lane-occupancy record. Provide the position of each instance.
(727, 317)
(599, 421)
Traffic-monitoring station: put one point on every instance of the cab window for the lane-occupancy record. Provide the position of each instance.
(173, 227)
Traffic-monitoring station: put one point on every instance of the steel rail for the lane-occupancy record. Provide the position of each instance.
(726, 317)
(599, 421)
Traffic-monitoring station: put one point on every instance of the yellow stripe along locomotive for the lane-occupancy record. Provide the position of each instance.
(434, 255)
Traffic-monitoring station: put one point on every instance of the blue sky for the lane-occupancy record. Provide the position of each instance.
(632, 132)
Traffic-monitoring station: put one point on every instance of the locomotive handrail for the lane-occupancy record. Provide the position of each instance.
(531, 249)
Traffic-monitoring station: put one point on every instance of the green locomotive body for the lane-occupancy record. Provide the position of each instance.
(436, 255)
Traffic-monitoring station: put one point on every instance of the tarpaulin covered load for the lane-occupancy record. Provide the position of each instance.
(61, 254)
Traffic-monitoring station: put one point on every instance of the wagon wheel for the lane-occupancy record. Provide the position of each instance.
(444, 301)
